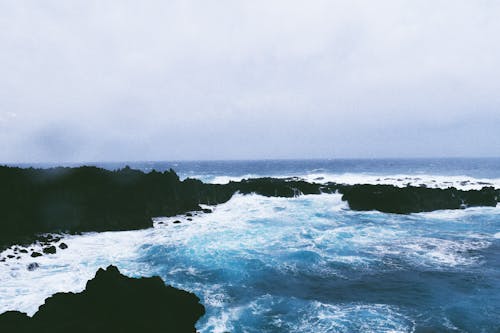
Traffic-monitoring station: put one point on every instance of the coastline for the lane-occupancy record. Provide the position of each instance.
(83, 199)
(270, 191)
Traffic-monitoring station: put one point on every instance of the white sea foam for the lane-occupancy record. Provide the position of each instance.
(457, 214)
(400, 180)
(305, 316)
(320, 317)
(67, 270)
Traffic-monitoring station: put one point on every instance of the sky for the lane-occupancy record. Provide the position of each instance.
(201, 80)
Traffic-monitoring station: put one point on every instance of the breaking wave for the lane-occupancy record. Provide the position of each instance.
(304, 264)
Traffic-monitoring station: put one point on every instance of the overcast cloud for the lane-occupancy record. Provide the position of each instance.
(168, 80)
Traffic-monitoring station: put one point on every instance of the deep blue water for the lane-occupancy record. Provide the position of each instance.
(306, 264)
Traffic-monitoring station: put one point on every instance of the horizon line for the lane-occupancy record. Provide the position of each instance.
(246, 160)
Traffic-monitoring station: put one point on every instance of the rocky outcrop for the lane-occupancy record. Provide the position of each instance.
(112, 302)
(74, 200)
(404, 200)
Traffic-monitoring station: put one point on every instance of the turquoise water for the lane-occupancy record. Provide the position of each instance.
(305, 264)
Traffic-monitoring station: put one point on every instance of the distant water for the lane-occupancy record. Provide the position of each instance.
(306, 264)
(432, 172)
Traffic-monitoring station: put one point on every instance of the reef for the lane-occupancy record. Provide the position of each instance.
(410, 199)
(112, 302)
(75, 200)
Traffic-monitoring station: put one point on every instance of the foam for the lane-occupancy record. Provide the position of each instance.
(358, 317)
(400, 180)
(66, 271)
(456, 214)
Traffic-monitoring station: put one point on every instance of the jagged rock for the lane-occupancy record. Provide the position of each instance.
(112, 302)
(63, 246)
(49, 250)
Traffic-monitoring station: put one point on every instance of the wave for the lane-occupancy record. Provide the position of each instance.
(303, 316)
(399, 180)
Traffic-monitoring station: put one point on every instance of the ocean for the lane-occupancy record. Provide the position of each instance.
(303, 264)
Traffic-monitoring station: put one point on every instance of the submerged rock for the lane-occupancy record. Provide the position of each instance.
(32, 266)
(112, 302)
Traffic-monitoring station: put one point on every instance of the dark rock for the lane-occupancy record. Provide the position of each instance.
(23, 251)
(410, 199)
(33, 266)
(49, 250)
(207, 210)
(112, 302)
(63, 246)
(189, 219)
(36, 254)
(14, 321)
(176, 222)
(10, 256)
(189, 214)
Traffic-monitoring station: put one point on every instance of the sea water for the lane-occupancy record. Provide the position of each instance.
(304, 264)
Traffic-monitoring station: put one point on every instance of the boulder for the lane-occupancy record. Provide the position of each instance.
(112, 302)
(49, 249)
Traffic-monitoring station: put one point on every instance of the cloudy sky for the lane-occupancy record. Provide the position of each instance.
(169, 80)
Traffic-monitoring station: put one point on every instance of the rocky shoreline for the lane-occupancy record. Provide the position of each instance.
(83, 199)
(39, 206)
(112, 302)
